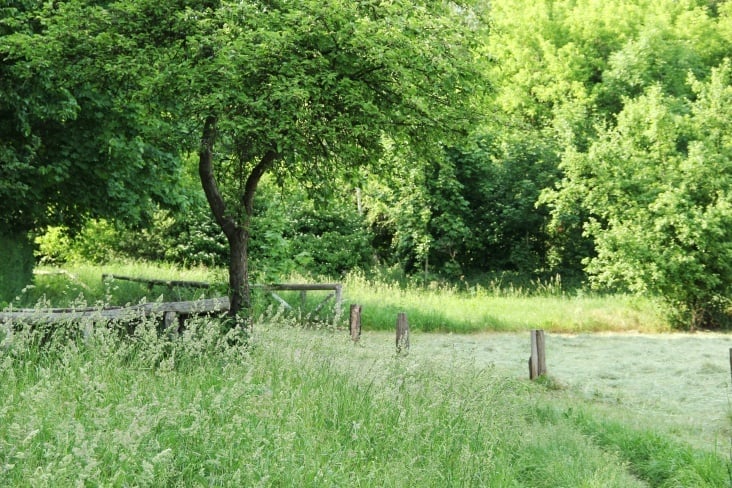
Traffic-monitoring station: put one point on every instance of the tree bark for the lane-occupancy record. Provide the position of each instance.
(236, 236)
(239, 291)
(208, 179)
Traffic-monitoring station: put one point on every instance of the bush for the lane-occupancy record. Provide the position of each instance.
(657, 189)
(335, 239)
(288, 235)
(188, 238)
(97, 242)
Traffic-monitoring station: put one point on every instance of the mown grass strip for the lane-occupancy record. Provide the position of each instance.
(655, 458)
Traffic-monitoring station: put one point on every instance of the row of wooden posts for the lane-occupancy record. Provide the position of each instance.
(537, 360)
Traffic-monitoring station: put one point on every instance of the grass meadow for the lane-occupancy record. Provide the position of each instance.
(304, 406)
(436, 308)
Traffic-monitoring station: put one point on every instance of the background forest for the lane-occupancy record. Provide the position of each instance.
(599, 152)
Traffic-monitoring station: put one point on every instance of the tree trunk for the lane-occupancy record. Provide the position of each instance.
(237, 236)
(239, 292)
(237, 233)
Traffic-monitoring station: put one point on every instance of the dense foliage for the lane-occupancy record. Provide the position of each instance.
(658, 189)
(76, 138)
(599, 148)
(291, 234)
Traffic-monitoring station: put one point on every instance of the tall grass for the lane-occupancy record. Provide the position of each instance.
(461, 308)
(77, 283)
(655, 458)
(466, 309)
(298, 407)
(128, 405)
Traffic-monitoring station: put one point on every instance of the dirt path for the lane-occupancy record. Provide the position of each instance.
(681, 381)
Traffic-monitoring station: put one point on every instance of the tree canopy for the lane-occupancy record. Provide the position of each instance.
(305, 89)
(658, 191)
(76, 140)
(313, 88)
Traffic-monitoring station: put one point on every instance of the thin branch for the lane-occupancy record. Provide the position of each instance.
(208, 179)
(256, 174)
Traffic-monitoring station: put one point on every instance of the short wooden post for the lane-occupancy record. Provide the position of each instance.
(355, 322)
(338, 302)
(402, 332)
(170, 323)
(537, 361)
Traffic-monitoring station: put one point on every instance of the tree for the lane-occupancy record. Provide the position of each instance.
(314, 88)
(501, 174)
(565, 69)
(76, 141)
(658, 190)
(469, 211)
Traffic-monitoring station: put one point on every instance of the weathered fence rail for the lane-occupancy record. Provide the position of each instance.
(188, 308)
(152, 282)
(336, 288)
(171, 309)
(272, 288)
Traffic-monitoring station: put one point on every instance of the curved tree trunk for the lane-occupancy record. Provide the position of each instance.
(237, 233)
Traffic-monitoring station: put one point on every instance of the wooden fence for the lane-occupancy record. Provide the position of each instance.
(336, 288)
(172, 309)
(272, 289)
(153, 282)
(166, 309)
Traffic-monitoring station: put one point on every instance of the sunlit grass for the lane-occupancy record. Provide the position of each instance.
(474, 309)
(436, 308)
(72, 284)
(114, 406)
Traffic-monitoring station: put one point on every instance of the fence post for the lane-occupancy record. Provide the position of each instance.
(169, 323)
(537, 361)
(402, 332)
(338, 302)
(355, 322)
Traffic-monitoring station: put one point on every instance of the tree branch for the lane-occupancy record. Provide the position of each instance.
(253, 180)
(208, 180)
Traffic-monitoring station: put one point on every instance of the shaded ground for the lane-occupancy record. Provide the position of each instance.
(676, 381)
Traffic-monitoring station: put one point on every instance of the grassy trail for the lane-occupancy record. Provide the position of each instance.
(678, 380)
